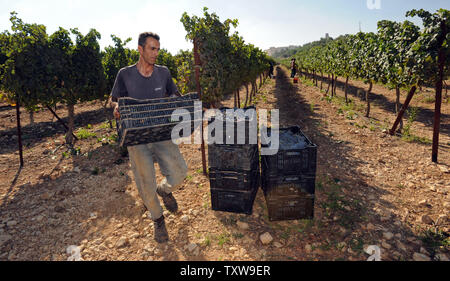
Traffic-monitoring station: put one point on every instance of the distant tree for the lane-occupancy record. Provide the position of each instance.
(114, 58)
(165, 58)
(85, 77)
(184, 62)
(25, 71)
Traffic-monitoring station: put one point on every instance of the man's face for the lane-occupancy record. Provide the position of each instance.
(150, 51)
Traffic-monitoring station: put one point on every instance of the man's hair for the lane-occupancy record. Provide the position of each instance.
(143, 37)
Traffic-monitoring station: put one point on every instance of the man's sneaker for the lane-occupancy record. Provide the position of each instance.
(168, 199)
(161, 234)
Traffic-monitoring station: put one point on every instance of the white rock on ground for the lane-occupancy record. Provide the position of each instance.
(266, 238)
(424, 203)
(424, 251)
(443, 169)
(277, 244)
(421, 257)
(308, 248)
(370, 226)
(185, 218)
(242, 225)
(233, 249)
(191, 247)
(401, 246)
(122, 242)
(386, 245)
(46, 196)
(388, 235)
(74, 253)
(442, 257)
(197, 251)
(5, 238)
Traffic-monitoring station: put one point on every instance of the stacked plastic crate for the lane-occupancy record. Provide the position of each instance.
(152, 120)
(234, 165)
(288, 177)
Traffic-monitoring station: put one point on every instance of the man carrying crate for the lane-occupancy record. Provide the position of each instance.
(147, 80)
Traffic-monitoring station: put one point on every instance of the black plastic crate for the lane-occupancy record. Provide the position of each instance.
(233, 201)
(287, 185)
(292, 207)
(289, 160)
(234, 180)
(131, 123)
(136, 136)
(127, 109)
(154, 113)
(130, 108)
(236, 137)
(249, 124)
(147, 134)
(233, 157)
(126, 101)
(148, 121)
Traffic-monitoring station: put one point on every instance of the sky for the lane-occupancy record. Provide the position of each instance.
(274, 23)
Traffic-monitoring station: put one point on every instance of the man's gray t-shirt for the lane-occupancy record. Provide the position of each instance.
(131, 83)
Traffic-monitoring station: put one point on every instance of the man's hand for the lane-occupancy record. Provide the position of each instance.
(174, 95)
(115, 105)
(116, 112)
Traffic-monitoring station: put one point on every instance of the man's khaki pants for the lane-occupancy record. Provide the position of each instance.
(172, 166)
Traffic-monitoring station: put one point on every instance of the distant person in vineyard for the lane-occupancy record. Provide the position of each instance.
(293, 67)
(146, 80)
(271, 69)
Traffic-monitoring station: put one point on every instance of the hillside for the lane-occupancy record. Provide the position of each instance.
(282, 52)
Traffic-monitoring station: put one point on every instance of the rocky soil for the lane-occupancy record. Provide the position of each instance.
(371, 189)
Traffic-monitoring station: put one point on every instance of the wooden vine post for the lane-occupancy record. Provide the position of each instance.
(197, 64)
(402, 111)
(60, 121)
(19, 132)
(440, 78)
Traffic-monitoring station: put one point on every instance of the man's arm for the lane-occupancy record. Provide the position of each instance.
(171, 88)
(116, 92)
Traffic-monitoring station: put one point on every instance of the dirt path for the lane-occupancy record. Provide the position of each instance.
(371, 189)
